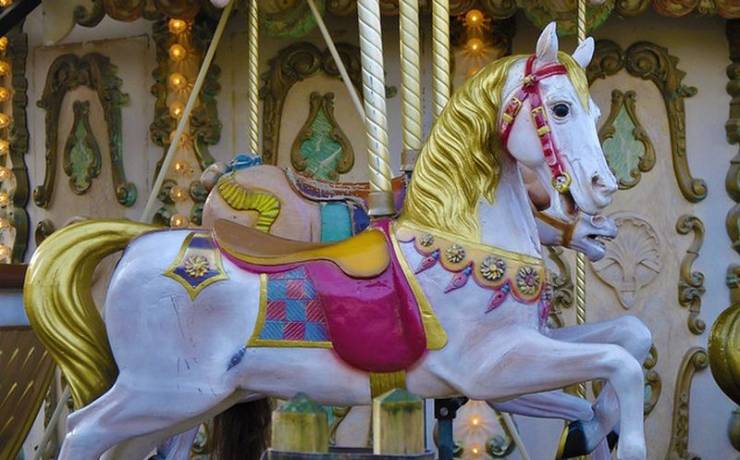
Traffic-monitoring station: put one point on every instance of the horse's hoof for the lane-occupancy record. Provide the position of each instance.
(573, 442)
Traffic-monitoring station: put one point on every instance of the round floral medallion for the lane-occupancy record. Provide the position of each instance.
(455, 253)
(527, 280)
(493, 268)
(426, 240)
(197, 266)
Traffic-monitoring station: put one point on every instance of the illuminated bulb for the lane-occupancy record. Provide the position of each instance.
(177, 81)
(4, 120)
(475, 450)
(4, 199)
(5, 3)
(475, 421)
(178, 193)
(176, 109)
(4, 147)
(177, 26)
(474, 17)
(181, 167)
(4, 94)
(178, 221)
(475, 45)
(4, 251)
(177, 52)
(3, 43)
(4, 68)
(5, 173)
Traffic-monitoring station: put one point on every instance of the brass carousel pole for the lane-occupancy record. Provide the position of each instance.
(253, 105)
(380, 200)
(580, 286)
(411, 117)
(441, 78)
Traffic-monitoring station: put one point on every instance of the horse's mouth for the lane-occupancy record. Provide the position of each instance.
(599, 240)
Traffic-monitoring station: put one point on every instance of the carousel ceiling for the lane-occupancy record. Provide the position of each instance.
(292, 18)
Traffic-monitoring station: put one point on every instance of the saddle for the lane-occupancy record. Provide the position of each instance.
(371, 312)
(362, 256)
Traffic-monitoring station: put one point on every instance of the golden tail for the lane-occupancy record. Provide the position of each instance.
(58, 300)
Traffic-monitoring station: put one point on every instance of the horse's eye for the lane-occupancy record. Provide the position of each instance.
(560, 110)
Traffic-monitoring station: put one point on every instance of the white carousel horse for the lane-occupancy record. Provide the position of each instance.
(177, 355)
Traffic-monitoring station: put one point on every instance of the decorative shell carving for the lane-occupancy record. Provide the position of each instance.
(633, 259)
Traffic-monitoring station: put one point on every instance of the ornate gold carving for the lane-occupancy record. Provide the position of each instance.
(724, 340)
(131, 10)
(81, 161)
(95, 71)
(631, 7)
(292, 64)
(653, 384)
(652, 62)
(691, 283)
(646, 161)
(27, 370)
(633, 259)
(693, 361)
(321, 130)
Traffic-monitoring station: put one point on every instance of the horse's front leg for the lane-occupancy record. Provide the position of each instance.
(629, 333)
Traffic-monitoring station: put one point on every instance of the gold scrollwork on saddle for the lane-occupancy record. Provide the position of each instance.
(242, 198)
(197, 265)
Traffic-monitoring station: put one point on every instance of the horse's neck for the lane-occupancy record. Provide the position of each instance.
(508, 223)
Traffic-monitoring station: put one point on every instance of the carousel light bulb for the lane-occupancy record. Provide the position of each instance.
(178, 193)
(181, 167)
(4, 252)
(475, 421)
(177, 81)
(4, 68)
(178, 221)
(475, 45)
(5, 3)
(4, 94)
(475, 450)
(177, 52)
(4, 147)
(5, 173)
(3, 43)
(177, 26)
(4, 199)
(4, 120)
(176, 109)
(474, 17)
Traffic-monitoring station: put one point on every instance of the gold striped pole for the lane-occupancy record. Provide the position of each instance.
(441, 78)
(410, 83)
(380, 199)
(253, 104)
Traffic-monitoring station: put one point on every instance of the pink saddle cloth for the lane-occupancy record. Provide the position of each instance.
(375, 323)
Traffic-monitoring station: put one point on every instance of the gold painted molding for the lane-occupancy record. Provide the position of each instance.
(652, 62)
(691, 283)
(607, 131)
(292, 64)
(562, 286)
(694, 360)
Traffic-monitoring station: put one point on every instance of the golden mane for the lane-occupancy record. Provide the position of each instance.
(459, 161)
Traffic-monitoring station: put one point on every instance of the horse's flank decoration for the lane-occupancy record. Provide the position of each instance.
(240, 198)
(197, 265)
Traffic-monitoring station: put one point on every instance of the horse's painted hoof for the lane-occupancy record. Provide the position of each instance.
(612, 439)
(573, 442)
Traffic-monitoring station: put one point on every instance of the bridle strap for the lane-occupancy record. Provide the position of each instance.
(566, 228)
(530, 90)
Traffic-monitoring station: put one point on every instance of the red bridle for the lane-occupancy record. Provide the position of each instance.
(530, 89)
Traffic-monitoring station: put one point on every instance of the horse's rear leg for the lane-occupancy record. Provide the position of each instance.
(534, 363)
(123, 413)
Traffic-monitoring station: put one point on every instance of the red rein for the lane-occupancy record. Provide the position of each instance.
(530, 89)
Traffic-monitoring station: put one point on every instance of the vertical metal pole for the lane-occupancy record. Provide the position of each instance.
(253, 105)
(410, 83)
(441, 79)
(380, 200)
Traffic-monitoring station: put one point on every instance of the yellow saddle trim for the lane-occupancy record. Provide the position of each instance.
(241, 198)
(436, 335)
(364, 255)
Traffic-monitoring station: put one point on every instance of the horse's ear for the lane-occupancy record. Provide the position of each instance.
(584, 52)
(547, 45)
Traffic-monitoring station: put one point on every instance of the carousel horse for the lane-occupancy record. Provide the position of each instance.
(196, 321)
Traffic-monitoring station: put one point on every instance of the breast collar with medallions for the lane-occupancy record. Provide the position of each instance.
(530, 90)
